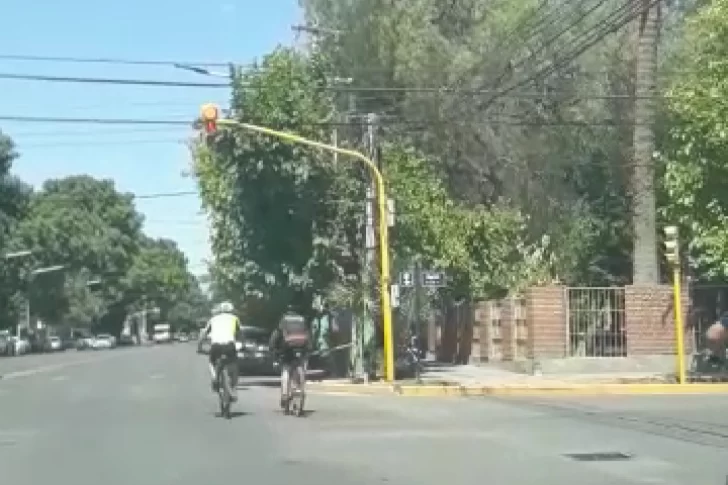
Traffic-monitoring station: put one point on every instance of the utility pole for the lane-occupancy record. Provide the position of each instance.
(645, 264)
(418, 300)
(369, 322)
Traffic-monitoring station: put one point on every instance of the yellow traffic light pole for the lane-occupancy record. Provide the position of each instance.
(672, 251)
(210, 118)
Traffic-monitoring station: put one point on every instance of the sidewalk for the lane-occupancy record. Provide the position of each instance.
(469, 380)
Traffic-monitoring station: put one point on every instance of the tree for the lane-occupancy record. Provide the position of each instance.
(485, 250)
(695, 148)
(191, 309)
(158, 277)
(535, 153)
(14, 197)
(91, 229)
(272, 203)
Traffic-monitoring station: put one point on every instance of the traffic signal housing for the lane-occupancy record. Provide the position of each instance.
(672, 246)
(209, 114)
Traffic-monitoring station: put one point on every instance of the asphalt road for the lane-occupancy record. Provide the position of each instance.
(10, 366)
(147, 416)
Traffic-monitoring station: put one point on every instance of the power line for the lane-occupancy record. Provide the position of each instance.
(553, 39)
(98, 80)
(113, 132)
(149, 196)
(95, 121)
(108, 60)
(332, 88)
(82, 143)
(620, 17)
(164, 195)
(384, 121)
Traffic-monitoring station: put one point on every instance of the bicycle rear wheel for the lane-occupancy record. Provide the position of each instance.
(300, 393)
(289, 394)
(224, 392)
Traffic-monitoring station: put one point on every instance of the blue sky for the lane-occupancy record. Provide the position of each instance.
(140, 159)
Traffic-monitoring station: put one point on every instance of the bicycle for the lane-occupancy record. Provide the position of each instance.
(224, 390)
(295, 398)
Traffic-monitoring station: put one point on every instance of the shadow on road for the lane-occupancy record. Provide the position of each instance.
(234, 414)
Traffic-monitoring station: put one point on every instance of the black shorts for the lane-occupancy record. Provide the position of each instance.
(218, 350)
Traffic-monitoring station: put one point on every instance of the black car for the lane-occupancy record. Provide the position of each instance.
(254, 356)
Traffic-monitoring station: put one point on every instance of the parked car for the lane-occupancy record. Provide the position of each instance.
(6, 344)
(254, 356)
(126, 340)
(21, 346)
(103, 341)
(84, 343)
(53, 344)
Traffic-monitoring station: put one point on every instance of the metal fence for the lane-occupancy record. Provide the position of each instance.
(596, 322)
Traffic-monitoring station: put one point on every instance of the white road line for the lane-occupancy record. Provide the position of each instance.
(54, 367)
(60, 378)
(157, 376)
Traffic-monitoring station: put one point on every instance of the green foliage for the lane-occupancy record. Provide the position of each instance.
(271, 202)
(14, 197)
(502, 193)
(109, 267)
(484, 249)
(568, 179)
(696, 146)
(86, 225)
(158, 275)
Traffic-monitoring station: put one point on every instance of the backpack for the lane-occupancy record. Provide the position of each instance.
(293, 328)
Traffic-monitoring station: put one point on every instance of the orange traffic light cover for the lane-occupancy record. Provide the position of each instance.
(210, 112)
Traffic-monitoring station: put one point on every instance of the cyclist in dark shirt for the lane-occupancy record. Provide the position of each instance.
(289, 337)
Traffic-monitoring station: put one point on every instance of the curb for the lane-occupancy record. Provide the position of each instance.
(353, 389)
(543, 390)
(564, 390)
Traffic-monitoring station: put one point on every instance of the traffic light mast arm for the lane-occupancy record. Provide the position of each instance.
(210, 113)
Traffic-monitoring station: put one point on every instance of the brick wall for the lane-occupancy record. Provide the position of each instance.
(500, 330)
(649, 320)
(546, 317)
(539, 329)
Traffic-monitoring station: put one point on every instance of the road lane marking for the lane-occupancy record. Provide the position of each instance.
(60, 378)
(157, 376)
(54, 367)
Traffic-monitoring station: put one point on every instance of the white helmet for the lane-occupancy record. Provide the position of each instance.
(226, 307)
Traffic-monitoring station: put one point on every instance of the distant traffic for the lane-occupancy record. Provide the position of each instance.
(82, 340)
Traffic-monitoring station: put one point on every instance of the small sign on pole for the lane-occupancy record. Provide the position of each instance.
(394, 295)
(406, 280)
(433, 279)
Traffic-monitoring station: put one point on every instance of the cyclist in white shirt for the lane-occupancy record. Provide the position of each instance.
(223, 329)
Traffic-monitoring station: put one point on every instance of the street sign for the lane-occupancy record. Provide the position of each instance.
(406, 280)
(394, 295)
(433, 279)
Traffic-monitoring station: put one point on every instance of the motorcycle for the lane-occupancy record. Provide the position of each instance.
(410, 358)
